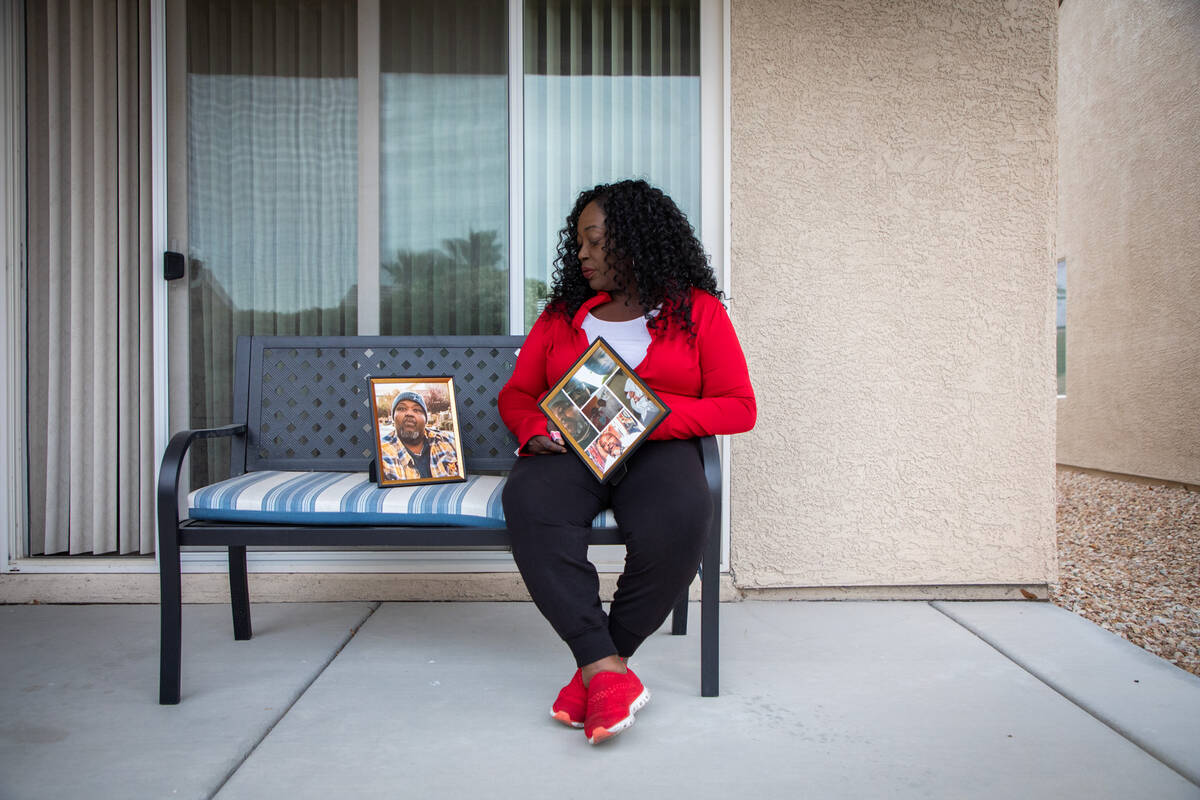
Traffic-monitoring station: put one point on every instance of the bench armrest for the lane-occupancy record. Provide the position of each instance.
(169, 578)
(172, 466)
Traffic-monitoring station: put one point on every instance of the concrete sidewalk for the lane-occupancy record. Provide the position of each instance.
(818, 699)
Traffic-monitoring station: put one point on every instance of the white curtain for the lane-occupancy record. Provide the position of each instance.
(13, 395)
(612, 91)
(272, 192)
(91, 451)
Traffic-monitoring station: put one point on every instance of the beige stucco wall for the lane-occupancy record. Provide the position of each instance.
(893, 284)
(1129, 205)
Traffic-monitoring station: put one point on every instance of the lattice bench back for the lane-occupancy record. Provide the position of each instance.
(307, 404)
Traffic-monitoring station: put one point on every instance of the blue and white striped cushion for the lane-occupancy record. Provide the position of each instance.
(351, 498)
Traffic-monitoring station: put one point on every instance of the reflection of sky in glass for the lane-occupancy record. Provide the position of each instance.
(443, 159)
(586, 129)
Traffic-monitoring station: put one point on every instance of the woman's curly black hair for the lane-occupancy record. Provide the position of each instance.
(650, 242)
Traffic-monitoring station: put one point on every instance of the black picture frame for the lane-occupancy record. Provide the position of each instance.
(602, 410)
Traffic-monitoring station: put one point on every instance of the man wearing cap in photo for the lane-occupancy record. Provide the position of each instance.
(413, 450)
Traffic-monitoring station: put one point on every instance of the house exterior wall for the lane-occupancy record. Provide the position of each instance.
(893, 284)
(892, 280)
(1129, 200)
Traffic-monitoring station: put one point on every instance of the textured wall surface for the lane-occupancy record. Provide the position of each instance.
(1129, 205)
(893, 284)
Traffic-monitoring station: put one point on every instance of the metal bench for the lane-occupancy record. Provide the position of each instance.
(301, 404)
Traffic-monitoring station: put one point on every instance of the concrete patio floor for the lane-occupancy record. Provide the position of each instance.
(431, 700)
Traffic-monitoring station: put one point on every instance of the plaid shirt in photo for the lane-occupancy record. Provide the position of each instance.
(397, 462)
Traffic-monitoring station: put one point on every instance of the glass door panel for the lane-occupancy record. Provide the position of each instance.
(272, 187)
(443, 167)
(612, 91)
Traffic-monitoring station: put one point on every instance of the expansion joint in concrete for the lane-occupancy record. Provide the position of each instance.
(295, 698)
(1113, 724)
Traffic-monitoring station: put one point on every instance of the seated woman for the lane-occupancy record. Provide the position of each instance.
(630, 269)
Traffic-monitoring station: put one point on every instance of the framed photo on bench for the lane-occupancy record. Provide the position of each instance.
(416, 431)
(603, 410)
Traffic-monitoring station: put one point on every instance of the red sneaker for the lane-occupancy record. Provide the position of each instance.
(571, 706)
(612, 700)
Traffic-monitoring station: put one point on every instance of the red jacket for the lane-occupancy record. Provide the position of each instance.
(703, 381)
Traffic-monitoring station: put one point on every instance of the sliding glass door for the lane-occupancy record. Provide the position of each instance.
(346, 165)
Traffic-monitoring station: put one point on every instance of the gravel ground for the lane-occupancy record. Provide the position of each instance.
(1129, 560)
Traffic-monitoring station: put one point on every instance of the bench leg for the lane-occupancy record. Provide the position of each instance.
(170, 617)
(679, 616)
(239, 593)
(710, 608)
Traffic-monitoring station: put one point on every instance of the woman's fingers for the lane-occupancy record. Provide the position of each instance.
(543, 445)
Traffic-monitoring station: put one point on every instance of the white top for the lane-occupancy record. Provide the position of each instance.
(629, 339)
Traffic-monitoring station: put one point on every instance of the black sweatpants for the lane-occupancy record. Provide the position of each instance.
(663, 508)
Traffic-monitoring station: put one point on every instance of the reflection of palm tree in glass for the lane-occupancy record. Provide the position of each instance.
(479, 249)
(460, 289)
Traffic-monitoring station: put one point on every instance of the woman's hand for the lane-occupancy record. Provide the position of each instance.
(543, 445)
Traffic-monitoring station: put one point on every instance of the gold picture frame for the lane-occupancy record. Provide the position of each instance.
(602, 410)
(438, 456)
